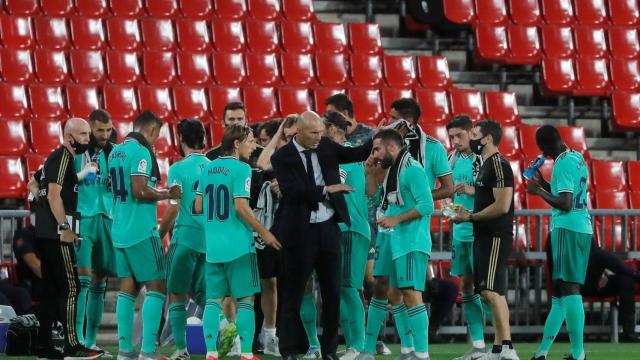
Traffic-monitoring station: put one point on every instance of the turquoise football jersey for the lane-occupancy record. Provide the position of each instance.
(357, 202)
(435, 162)
(133, 220)
(227, 236)
(186, 174)
(464, 169)
(570, 175)
(94, 196)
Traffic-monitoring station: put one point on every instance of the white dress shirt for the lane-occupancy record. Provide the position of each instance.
(325, 211)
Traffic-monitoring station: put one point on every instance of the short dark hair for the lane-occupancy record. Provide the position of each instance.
(336, 119)
(100, 116)
(341, 102)
(231, 134)
(234, 105)
(192, 133)
(408, 108)
(270, 127)
(490, 127)
(389, 135)
(548, 135)
(462, 121)
(146, 119)
(291, 120)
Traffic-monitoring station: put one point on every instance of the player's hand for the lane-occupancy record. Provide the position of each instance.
(275, 187)
(463, 215)
(388, 222)
(463, 188)
(175, 193)
(533, 188)
(270, 240)
(68, 237)
(331, 189)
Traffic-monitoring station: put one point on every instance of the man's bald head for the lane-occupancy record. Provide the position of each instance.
(310, 130)
(76, 133)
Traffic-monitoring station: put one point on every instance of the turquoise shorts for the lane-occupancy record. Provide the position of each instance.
(144, 261)
(95, 251)
(462, 258)
(355, 251)
(570, 252)
(238, 278)
(186, 271)
(409, 271)
(382, 262)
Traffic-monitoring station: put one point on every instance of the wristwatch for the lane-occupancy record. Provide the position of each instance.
(64, 227)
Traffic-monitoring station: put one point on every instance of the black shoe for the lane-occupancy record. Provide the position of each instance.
(49, 354)
(80, 352)
(290, 357)
(329, 357)
(541, 357)
(569, 357)
(629, 338)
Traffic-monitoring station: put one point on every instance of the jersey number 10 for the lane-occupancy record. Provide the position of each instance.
(218, 199)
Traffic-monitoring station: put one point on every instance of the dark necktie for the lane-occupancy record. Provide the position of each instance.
(311, 176)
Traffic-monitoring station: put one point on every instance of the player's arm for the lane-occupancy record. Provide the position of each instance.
(419, 189)
(565, 183)
(561, 202)
(33, 263)
(264, 160)
(501, 206)
(348, 154)
(143, 192)
(169, 218)
(445, 190)
(442, 168)
(197, 204)
(244, 211)
(374, 175)
(56, 175)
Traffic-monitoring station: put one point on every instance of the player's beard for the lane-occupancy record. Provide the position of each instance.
(386, 161)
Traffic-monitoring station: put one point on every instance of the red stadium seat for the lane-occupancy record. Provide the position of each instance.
(193, 35)
(298, 10)
(366, 105)
(46, 135)
(518, 180)
(466, 101)
(524, 45)
(433, 72)
(194, 68)
(196, 9)
(297, 69)
(228, 68)
(217, 131)
(228, 36)
(22, 7)
(164, 145)
(626, 109)
(591, 12)
(162, 8)
(127, 8)
(528, 142)
(123, 34)
(15, 32)
(491, 42)
(365, 38)
(624, 42)
(12, 175)
(593, 77)
(158, 100)
(121, 102)
(390, 95)
(230, 9)
(509, 145)
(624, 12)
(558, 11)
(261, 103)
(608, 175)
(616, 200)
(330, 37)
(14, 101)
(87, 33)
(320, 94)
(51, 33)
(122, 128)
(122, 67)
(297, 36)
(366, 70)
(591, 41)
(460, 11)
(220, 96)
(557, 41)
(558, 74)
(157, 34)
(331, 70)
(47, 101)
(633, 172)
(293, 100)
(34, 161)
(439, 132)
(524, 12)
(264, 9)
(262, 36)
(93, 8)
(16, 65)
(434, 105)
(574, 137)
(399, 71)
(502, 107)
(51, 66)
(491, 11)
(159, 67)
(191, 102)
(82, 100)
(14, 138)
(262, 69)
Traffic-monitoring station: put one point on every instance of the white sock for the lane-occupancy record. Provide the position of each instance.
(479, 344)
(422, 355)
(405, 350)
(269, 332)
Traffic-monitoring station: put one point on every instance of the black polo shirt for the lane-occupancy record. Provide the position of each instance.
(495, 172)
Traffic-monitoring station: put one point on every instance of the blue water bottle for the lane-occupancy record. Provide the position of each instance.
(533, 168)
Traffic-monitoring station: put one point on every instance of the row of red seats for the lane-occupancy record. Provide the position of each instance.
(225, 68)
(534, 12)
(231, 9)
(187, 34)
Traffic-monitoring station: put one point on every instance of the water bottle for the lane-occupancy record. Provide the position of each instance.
(533, 168)
(451, 210)
(380, 214)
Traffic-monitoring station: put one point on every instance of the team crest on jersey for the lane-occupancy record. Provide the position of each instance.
(142, 166)
(247, 184)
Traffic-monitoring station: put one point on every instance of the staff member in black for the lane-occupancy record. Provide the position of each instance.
(306, 222)
(55, 237)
